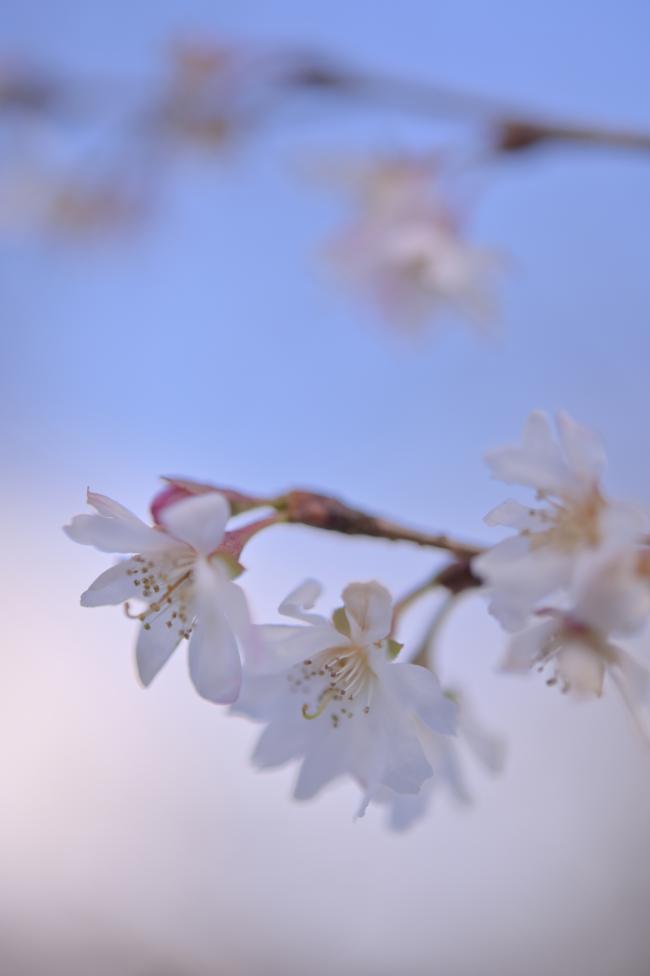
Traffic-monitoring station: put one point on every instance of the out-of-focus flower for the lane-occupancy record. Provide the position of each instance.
(183, 578)
(574, 525)
(413, 269)
(333, 697)
(406, 249)
(214, 92)
(611, 599)
(445, 756)
(36, 197)
(81, 209)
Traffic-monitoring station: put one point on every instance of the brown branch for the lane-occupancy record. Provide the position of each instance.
(515, 129)
(302, 507)
(333, 515)
(24, 87)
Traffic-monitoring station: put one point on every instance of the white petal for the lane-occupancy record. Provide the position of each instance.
(200, 521)
(369, 742)
(263, 697)
(112, 587)
(416, 690)
(369, 610)
(621, 525)
(527, 647)
(405, 767)
(154, 647)
(443, 755)
(537, 462)
(115, 534)
(405, 809)
(325, 760)
(281, 646)
(234, 606)
(215, 666)
(232, 600)
(110, 508)
(276, 746)
(582, 448)
(610, 596)
(516, 585)
(492, 562)
(301, 599)
(514, 515)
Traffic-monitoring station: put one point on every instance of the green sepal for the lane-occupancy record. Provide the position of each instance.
(341, 622)
(394, 647)
(233, 566)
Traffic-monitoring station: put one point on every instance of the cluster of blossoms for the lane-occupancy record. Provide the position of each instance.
(209, 95)
(575, 576)
(405, 246)
(338, 694)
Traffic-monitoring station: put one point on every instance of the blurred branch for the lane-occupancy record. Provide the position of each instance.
(204, 67)
(514, 129)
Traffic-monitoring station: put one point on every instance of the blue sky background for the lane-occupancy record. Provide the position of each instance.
(212, 343)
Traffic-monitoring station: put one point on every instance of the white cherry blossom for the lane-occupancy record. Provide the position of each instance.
(332, 697)
(182, 579)
(404, 247)
(610, 600)
(572, 522)
(413, 266)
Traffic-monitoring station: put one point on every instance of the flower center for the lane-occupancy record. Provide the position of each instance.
(572, 525)
(166, 585)
(339, 681)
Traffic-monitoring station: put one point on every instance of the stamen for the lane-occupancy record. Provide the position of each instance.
(324, 702)
(346, 672)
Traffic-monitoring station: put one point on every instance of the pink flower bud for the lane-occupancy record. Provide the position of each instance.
(168, 496)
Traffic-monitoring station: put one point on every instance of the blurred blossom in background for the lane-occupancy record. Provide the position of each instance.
(207, 340)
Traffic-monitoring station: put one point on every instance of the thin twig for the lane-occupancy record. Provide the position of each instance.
(330, 514)
(514, 129)
(333, 515)
(285, 71)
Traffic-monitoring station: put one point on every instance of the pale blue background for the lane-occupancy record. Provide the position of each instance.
(213, 344)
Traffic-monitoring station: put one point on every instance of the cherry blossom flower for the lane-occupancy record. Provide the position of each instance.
(611, 599)
(37, 195)
(446, 758)
(405, 247)
(184, 581)
(414, 268)
(574, 522)
(334, 699)
(214, 92)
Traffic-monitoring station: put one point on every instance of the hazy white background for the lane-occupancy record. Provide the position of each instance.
(135, 840)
